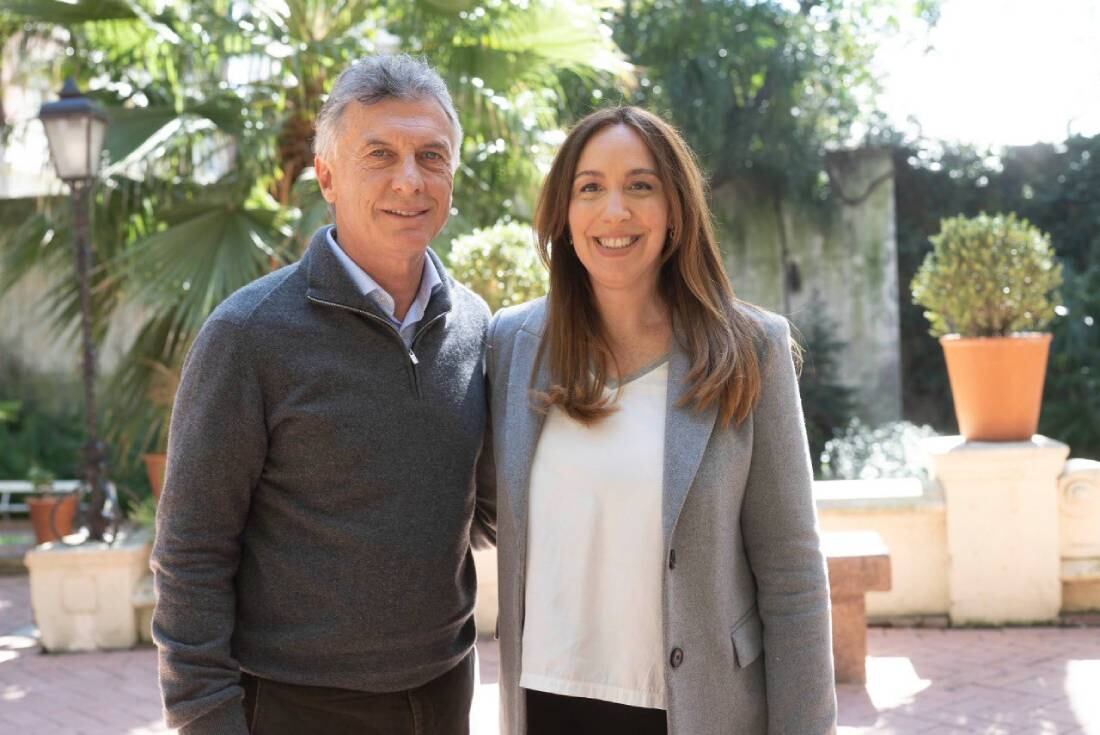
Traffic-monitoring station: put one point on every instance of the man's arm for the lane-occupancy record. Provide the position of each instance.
(483, 533)
(217, 444)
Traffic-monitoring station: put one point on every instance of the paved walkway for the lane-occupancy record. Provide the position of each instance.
(989, 682)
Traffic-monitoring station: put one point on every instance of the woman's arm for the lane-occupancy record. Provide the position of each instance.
(779, 525)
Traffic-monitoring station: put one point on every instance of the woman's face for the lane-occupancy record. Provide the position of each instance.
(618, 211)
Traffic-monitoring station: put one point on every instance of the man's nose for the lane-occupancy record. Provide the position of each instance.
(408, 179)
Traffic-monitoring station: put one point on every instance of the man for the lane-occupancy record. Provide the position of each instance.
(312, 562)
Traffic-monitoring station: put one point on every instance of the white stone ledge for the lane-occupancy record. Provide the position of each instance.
(896, 493)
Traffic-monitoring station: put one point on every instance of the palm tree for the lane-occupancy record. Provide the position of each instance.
(209, 183)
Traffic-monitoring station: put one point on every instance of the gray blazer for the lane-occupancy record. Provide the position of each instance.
(746, 600)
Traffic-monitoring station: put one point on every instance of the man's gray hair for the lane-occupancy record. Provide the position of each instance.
(377, 78)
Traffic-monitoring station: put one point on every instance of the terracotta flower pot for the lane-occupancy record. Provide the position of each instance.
(155, 465)
(41, 510)
(997, 384)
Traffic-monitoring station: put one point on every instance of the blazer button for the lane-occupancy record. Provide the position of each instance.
(672, 559)
(676, 658)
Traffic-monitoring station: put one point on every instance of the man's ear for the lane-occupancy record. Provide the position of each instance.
(324, 179)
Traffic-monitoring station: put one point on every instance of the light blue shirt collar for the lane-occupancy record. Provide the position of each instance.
(429, 279)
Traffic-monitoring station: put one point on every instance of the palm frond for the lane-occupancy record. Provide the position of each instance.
(210, 249)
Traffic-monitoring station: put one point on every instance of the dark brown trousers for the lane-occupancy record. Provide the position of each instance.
(440, 707)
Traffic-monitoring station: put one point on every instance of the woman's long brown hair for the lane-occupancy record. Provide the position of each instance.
(720, 339)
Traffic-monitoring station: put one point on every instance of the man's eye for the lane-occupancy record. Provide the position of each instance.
(378, 153)
(433, 155)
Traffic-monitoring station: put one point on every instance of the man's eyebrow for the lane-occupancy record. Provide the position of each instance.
(631, 172)
(441, 144)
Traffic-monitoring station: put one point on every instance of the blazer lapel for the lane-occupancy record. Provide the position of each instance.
(523, 424)
(687, 432)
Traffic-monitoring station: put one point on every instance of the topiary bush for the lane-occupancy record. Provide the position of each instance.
(500, 264)
(987, 276)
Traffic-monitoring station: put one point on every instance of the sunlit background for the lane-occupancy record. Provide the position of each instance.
(997, 72)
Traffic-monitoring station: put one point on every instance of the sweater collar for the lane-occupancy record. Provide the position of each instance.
(328, 281)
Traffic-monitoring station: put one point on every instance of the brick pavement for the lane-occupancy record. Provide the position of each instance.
(1030, 681)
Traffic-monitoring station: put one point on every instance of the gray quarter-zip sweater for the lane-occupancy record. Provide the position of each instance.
(316, 520)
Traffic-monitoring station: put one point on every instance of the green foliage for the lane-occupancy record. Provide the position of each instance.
(760, 88)
(889, 451)
(144, 513)
(209, 146)
(1071, 397)
(40, 479)
(987, 277)
(1058, 187)
(826, 402)
(9, 410)
(1053, 186)
(45, 428)
(43, 435)
(500, 264)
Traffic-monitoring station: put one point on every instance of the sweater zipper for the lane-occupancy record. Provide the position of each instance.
(413, 361)
(412, 343)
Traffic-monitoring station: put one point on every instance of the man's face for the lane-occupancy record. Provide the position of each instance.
(390, 177)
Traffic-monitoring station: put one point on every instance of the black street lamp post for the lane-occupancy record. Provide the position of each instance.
(75, 129)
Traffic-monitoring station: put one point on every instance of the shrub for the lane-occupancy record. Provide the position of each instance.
(42, 424)
(40, 436)
(500, 264)
(1071, 397)
(865, 453)
(826, 402)
(987, 277)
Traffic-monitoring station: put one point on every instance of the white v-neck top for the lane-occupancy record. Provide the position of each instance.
(595, 552)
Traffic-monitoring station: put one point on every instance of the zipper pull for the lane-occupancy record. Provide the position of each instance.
(412, 356)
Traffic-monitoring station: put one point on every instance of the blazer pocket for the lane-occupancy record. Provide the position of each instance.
(748, 637)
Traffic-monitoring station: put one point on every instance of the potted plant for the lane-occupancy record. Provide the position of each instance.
(987, 289)
(161, 394)
(51, 513)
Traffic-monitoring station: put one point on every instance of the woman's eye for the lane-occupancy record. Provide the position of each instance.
(641, 186)
(588, 188)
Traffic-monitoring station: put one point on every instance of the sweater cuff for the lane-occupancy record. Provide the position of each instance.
(226, 719)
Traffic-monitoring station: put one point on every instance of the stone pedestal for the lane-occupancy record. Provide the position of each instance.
(1079, 488)
(1002, 528)
(82, 596)
(144, 601)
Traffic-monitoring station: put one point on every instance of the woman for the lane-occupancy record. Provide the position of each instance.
(659, 565)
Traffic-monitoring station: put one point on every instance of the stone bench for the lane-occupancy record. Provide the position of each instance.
(858, 562)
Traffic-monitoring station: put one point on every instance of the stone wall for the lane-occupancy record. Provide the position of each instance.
(838, 257)
(27, 336)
